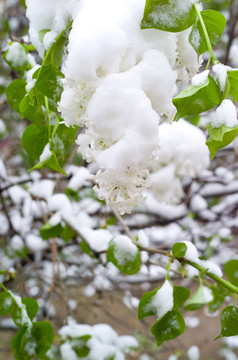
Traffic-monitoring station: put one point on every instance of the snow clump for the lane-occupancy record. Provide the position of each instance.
(112, 71)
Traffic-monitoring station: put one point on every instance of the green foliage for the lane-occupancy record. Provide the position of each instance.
(232, 77)
(48, 82)
(18, 59)
(168, 15)
(15, 93)
(180, 294)
(67, 234)
(30, 108)
(127, 263)
(215, 24)
(34, 140)
(33, 338)
(170, 326)
(229, 321)
(33, 341)
(219, 293)
(80, 346)
(197, 99)
(197, 301)
(179, 250)
(86, 249)
(49, 231)
(220, 137)
(6, 303)
(143, 309)
(231, 271)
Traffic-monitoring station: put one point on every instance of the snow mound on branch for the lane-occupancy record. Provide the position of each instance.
(182, 153)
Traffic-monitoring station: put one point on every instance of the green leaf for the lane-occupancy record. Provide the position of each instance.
(30, 306)
(179, 250)
(72, 194)
(16, 57)
(67, 234)
(231, 271)
(143, 309)
(6, 303)
(168, 15)
(127, 262)
(63, 139)
(79, 345)
(232, 77)
(55, 53)
(220, 137)
(48, 82)
(180, 294)
(34, 140)
(193, 119)
(229, 322)
(42, 33)
(48, 231)
(86, 249)
(30, 109)
(15, 92)
(197, 301)
(219, 293)
(197, 99)
(16, 344)
(37, 340)
(170, 326)
(54, 164)
(215, 24)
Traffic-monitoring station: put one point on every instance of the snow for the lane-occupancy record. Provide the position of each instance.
(191, 252)
(2, 127)
(120, 67)
(72, 304)
(104, 341)
(193, 353)
(17, 194)
(3, 171)
(4, 224)
(46, 154)
(104, 333)
(98, 240)
(162, 301)
(89, 291)
(45, 14)
(16, 55)
(165, 211)
(75, 330)
(79, 178)
(67, 352)
(35, 243)
(200, 79)
(125, 250)
(42, 189)
(143, 239)
(55, 219)
(61, 203)
(220, 71)
(198, 203)
(192, 321)
(207, 294)
(192, 255)
(25, 320)
(16, 243)
(225, 115)
(212, 268)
